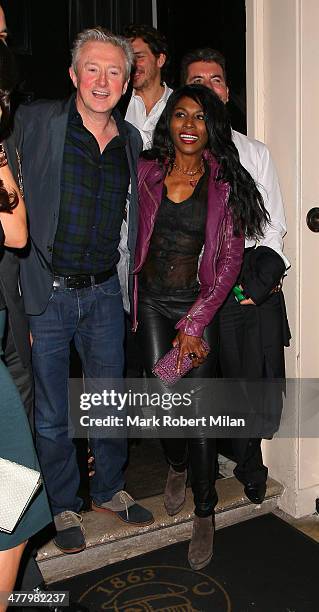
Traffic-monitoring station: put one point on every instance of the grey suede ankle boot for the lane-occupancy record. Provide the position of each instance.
(200, 549)
(175, 491)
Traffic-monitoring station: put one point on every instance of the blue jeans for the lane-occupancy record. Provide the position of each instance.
(94, 318)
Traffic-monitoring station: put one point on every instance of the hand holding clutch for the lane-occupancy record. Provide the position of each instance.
(166, 367)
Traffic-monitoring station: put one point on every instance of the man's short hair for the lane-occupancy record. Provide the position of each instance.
(204, 54)
(151, 36)
(99, 34)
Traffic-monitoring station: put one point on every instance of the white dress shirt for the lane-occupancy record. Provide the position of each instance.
(256, 158)
(136, 114)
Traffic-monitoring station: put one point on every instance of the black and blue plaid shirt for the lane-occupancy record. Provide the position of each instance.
(93, 197)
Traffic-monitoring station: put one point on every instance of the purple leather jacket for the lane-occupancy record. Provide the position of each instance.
(221, 258)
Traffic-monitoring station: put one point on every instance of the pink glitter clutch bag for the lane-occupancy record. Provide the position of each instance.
(165, 368)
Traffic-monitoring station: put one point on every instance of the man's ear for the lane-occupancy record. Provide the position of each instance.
(73, 76)
(161, 60)
(125, 86)
(227, 94)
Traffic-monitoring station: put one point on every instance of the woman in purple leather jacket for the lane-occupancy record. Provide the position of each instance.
(196, 205)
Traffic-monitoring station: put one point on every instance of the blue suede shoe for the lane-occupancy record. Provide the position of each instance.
(70, 536)
(126, 508)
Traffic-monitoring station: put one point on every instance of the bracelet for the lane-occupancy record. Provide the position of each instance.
(3, 156)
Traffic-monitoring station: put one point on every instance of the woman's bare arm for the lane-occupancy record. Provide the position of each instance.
(14, 224)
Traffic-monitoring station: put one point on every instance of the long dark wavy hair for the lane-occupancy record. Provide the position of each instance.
(245, 201)
(8, 80)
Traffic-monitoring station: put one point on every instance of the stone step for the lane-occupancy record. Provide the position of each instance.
(110, 540)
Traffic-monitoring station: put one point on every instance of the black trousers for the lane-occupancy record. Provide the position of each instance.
(233, 364)
(156, 330)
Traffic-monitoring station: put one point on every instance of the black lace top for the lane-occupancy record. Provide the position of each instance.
(178, 237)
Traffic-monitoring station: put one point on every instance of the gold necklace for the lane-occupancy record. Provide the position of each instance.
(193, 182)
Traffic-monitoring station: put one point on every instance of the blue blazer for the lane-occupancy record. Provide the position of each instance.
(39, 131)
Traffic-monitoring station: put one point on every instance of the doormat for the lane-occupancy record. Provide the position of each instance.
(260, 565)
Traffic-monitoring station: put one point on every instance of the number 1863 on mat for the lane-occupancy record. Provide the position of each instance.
(34, 598)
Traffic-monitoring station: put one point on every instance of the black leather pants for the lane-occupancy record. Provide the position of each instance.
(156, 330)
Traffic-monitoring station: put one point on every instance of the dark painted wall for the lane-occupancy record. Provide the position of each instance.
(220, 24)
(43, 31)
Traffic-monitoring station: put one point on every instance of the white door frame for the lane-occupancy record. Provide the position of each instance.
(280, 95)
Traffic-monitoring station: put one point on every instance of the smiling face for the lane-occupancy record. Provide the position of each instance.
(147, 66)
(209, 74)
(99, 78)
(188, 128)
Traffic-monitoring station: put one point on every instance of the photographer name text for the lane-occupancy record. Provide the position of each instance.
(161, 421)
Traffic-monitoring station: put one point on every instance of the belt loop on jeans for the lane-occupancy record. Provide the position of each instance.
(81, 281)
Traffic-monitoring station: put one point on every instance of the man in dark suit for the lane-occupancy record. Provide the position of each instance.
(79, 169)
(18, 359)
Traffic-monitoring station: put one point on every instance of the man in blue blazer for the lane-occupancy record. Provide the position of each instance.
(79, 169)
